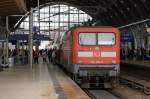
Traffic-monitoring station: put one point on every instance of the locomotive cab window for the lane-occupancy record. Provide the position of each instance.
(97, 38)
(106, 38)
(87, 38)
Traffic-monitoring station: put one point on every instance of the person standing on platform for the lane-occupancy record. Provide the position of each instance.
(54, 55)
(36, 57)
(50, 55)
(143, 51)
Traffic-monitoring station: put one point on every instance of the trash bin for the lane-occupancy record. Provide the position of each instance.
(11, 61)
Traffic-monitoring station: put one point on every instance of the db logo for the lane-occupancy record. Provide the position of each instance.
(96, 54)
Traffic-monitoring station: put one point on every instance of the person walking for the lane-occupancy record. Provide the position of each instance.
(44, 56)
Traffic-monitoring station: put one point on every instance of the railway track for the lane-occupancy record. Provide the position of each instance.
(136, 77)
(101, 94)
(137, 83)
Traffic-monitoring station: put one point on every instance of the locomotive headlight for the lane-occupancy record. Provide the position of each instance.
(92, 62)
(113, 61)
(80, 62)
(97, 48)
(98, 62)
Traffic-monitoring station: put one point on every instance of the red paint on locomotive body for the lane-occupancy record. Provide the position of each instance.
(97, 51)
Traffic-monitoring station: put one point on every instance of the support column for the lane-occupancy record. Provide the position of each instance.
(59, 28)
(17, 48)
(31, 40)
(78, 17)
(38, 3)
(148, 43)
(148, 40)
(4, 51)
(68, 17)
(7, 41)
(135, 38)
(49, 21)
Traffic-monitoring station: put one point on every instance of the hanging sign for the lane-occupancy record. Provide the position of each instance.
(148, 29)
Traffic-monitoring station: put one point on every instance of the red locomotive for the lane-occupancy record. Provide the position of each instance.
(91, 55)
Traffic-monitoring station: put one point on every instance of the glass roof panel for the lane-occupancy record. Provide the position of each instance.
(54, 18)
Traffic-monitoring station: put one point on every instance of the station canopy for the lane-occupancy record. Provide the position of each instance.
(108, 12)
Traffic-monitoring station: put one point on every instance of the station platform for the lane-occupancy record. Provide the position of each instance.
(41, 82)
(138, 63)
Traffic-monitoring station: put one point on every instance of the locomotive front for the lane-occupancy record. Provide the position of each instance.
(96, 56)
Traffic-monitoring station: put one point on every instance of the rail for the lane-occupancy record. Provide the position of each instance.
(135, 83)
(101, 94)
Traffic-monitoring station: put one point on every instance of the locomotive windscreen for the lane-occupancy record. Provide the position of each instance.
(96, 38)
(87, 38)
(106, 38)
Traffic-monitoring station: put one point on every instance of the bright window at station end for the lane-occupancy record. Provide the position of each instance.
(87, 38)
(53, 18)
(106, 38)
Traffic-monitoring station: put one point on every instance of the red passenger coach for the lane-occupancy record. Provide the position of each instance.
(92, 55)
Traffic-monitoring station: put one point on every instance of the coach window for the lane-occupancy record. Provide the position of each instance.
(87, 38)
(106, 38)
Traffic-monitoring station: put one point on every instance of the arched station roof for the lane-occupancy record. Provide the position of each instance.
(109, 12)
